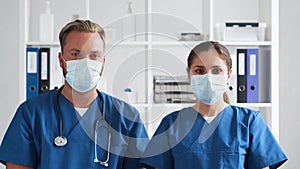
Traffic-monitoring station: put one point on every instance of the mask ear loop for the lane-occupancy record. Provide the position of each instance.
(102, 66)
(63, 59)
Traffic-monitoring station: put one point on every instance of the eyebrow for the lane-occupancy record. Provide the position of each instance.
(197, 66)
(73, 49)
(77, 50)
(218, 66)
(203, 67)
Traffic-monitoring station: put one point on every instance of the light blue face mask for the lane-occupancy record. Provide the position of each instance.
(208, 88)
(83, 75)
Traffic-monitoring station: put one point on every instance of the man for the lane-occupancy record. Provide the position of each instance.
(76, 126)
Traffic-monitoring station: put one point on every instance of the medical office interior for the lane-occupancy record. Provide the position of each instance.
(147, 43)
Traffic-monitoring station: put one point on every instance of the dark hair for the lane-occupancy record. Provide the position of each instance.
(206, 46)
(81, 26)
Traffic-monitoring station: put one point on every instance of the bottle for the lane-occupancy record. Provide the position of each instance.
(129, 23)
(47, 24)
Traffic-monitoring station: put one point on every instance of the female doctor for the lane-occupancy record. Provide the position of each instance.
(75, 127)
(212, 133)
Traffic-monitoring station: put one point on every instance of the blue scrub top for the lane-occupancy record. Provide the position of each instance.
(29, 139)
(237, 138)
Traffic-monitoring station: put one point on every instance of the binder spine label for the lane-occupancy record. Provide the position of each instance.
(241, 64)
(252, 65)
(44, 67)
(32, 62)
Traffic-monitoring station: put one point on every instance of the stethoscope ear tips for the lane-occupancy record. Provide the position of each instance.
(102, 163)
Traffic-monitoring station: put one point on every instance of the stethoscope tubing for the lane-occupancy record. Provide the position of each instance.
(60, 140)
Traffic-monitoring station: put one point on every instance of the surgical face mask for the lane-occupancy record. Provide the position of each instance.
(208, 88)
(84, 74)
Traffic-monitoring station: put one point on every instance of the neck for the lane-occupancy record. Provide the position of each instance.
(81, 100)
(210, 110)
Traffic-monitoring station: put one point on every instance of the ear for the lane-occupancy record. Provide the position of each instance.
(61, 60)
(102, 66)
(189, 74)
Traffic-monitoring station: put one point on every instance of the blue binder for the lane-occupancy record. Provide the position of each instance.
(32, 72)
(252, 76)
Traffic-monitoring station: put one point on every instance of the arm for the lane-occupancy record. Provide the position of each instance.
(266, 168)
(16, 166)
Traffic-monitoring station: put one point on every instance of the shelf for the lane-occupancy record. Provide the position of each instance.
(41, 44)
(162, 43)
(254, 43)
(258, 105)
(144, 105)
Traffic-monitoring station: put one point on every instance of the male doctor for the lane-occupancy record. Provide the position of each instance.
(77, 126)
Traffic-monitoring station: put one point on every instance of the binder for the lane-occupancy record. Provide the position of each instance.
(232, 86)
(44, 75)
(252, 78)
(56, 75)
(232, 89)
(241, 76)
(32, 72)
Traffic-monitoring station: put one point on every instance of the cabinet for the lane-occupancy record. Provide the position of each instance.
(143, 40)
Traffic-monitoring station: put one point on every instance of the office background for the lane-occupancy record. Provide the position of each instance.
(289, 62)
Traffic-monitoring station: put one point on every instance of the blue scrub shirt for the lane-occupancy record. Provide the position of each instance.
(29, 139)
(237, 138)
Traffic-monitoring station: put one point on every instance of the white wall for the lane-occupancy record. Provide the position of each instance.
(289, 81)
(289, 73)
(9, 63)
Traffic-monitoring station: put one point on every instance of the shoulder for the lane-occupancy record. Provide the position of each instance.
(40, 101)
(244, 115)
(36, 107)
(112, 101)
(178, 119)
(184, 113)
(119, 108)
(123, 116)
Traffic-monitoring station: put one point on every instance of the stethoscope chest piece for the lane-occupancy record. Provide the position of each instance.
(60, 141)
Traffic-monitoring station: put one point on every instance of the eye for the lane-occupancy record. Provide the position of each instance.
(75, 54)
(200, 71)
(216, 71)
(95, 56)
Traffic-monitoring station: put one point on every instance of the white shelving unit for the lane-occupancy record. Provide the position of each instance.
(154, 47)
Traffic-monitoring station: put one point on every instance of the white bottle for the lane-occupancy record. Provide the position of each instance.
(47, 24)
(129, 24)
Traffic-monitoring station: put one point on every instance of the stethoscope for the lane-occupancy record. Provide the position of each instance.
(61, 140)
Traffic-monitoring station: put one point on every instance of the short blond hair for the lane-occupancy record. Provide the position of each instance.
(81, 26)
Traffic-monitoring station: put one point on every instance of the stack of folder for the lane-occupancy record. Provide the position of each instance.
(247, 75)
(172, 89)
(39, 70)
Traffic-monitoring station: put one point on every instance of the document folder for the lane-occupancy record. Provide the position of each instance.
(32, 72)
(56, 75)
(252, 76)
(241, 76)
(232, 89)
(44, 78)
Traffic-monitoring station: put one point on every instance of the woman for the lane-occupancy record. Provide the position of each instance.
(212, 133)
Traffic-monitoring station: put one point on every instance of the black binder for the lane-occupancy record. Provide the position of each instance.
(241, 76)
(44, 69)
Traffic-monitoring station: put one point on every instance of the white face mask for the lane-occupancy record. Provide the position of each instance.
(208, 88)
(84, 74)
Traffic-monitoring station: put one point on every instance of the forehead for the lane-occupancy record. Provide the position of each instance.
(208, 59)
(84, 41)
